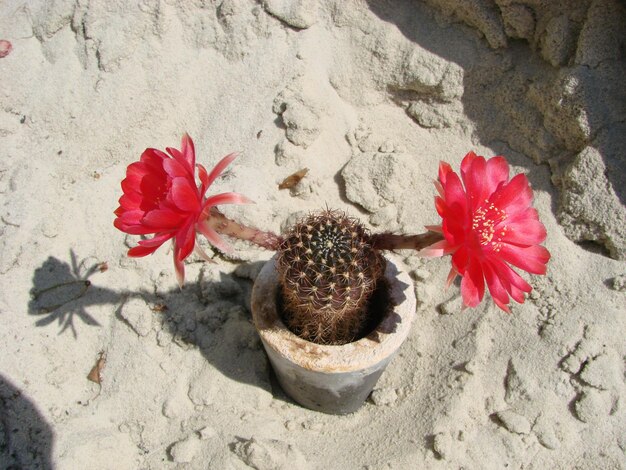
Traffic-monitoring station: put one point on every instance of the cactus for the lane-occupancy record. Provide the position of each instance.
(328, 271)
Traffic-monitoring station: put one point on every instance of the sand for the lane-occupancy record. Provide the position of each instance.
(369, 96)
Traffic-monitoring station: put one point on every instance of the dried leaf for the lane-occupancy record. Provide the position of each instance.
(95, 373)
(294, 179)
(159, 308)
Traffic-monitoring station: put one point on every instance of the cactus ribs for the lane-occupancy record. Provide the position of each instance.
(329, 271)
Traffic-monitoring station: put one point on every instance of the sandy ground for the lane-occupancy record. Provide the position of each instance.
(369, 96)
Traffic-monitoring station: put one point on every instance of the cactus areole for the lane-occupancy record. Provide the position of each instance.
(331, 279)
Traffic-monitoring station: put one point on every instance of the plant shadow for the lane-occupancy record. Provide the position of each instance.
(26, 439)
(211, 314)
(62, 291)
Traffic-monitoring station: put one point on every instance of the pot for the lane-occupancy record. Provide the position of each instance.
(328, 378)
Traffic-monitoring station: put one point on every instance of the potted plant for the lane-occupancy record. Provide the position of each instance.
(331, 307)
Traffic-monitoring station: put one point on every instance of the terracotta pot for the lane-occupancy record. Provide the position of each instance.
(332, 379)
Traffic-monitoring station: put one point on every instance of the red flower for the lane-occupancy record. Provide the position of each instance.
(488, 223)
(161, 198)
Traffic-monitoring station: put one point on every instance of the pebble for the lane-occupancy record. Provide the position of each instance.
(442, 445)
(514, 422)
(207, 432)
(269, 454)
(384, 396)
(184, 451)
(138, 315)
(601, 372)
(593, 406)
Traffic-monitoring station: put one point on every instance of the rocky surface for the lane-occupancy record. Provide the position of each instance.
(369, 96)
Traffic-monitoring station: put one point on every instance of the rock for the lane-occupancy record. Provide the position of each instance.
(618, 283)
(590, 208)
(558, 42)
(207, 432)
(384, 396)
(519, 21)
(451, 306)
(514, 422)
(137, 314)
(301, 106)
(176, 407)
(548, 438)
(480, 14)
(601, 372)
(442, 445)
(184, 451)
(603, 34)
(269, 454)
(433, 114)
(593, 406)
(515, 388)
(375, 180)
(300, 14)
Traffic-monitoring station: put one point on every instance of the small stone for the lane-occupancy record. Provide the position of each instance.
(593, 406)
(442, 445)
(514, 422)
(137, 314)
(420, 274)
(452, 306)
(384, 396)
(269, 454)
(618, 283)
(299, 14)
(207, 432)
(184, 451)
(175, 407)
(548, 439)
(601, 372)
(515, 387)
(387, 147)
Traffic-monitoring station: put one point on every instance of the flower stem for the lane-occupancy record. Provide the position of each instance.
(390, 241)
(225, 226)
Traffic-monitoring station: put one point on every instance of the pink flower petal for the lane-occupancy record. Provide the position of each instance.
(496, 289)
(435, 250)
(525, 233)
(180, 158)
(221, 165)
(204, 179)
(141, 251)
(513, 197)
(227, 198)
(444, 170)
(475, 178)
(163, 219)
(467, 161)
(473, 285)
(185, 195)
(532, 259)
(213, 237)
(173, 168)
(185, 240)
(497, 172)
(179, 269)
(461, 259)
(188, 150)
(157, 240)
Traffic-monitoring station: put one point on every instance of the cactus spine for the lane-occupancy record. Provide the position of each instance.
(328, 271)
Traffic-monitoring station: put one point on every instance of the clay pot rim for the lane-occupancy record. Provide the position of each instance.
(365, 353)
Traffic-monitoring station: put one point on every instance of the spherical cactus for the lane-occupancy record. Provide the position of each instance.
(328, 271)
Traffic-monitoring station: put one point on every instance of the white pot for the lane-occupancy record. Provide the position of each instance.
(332, 379)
